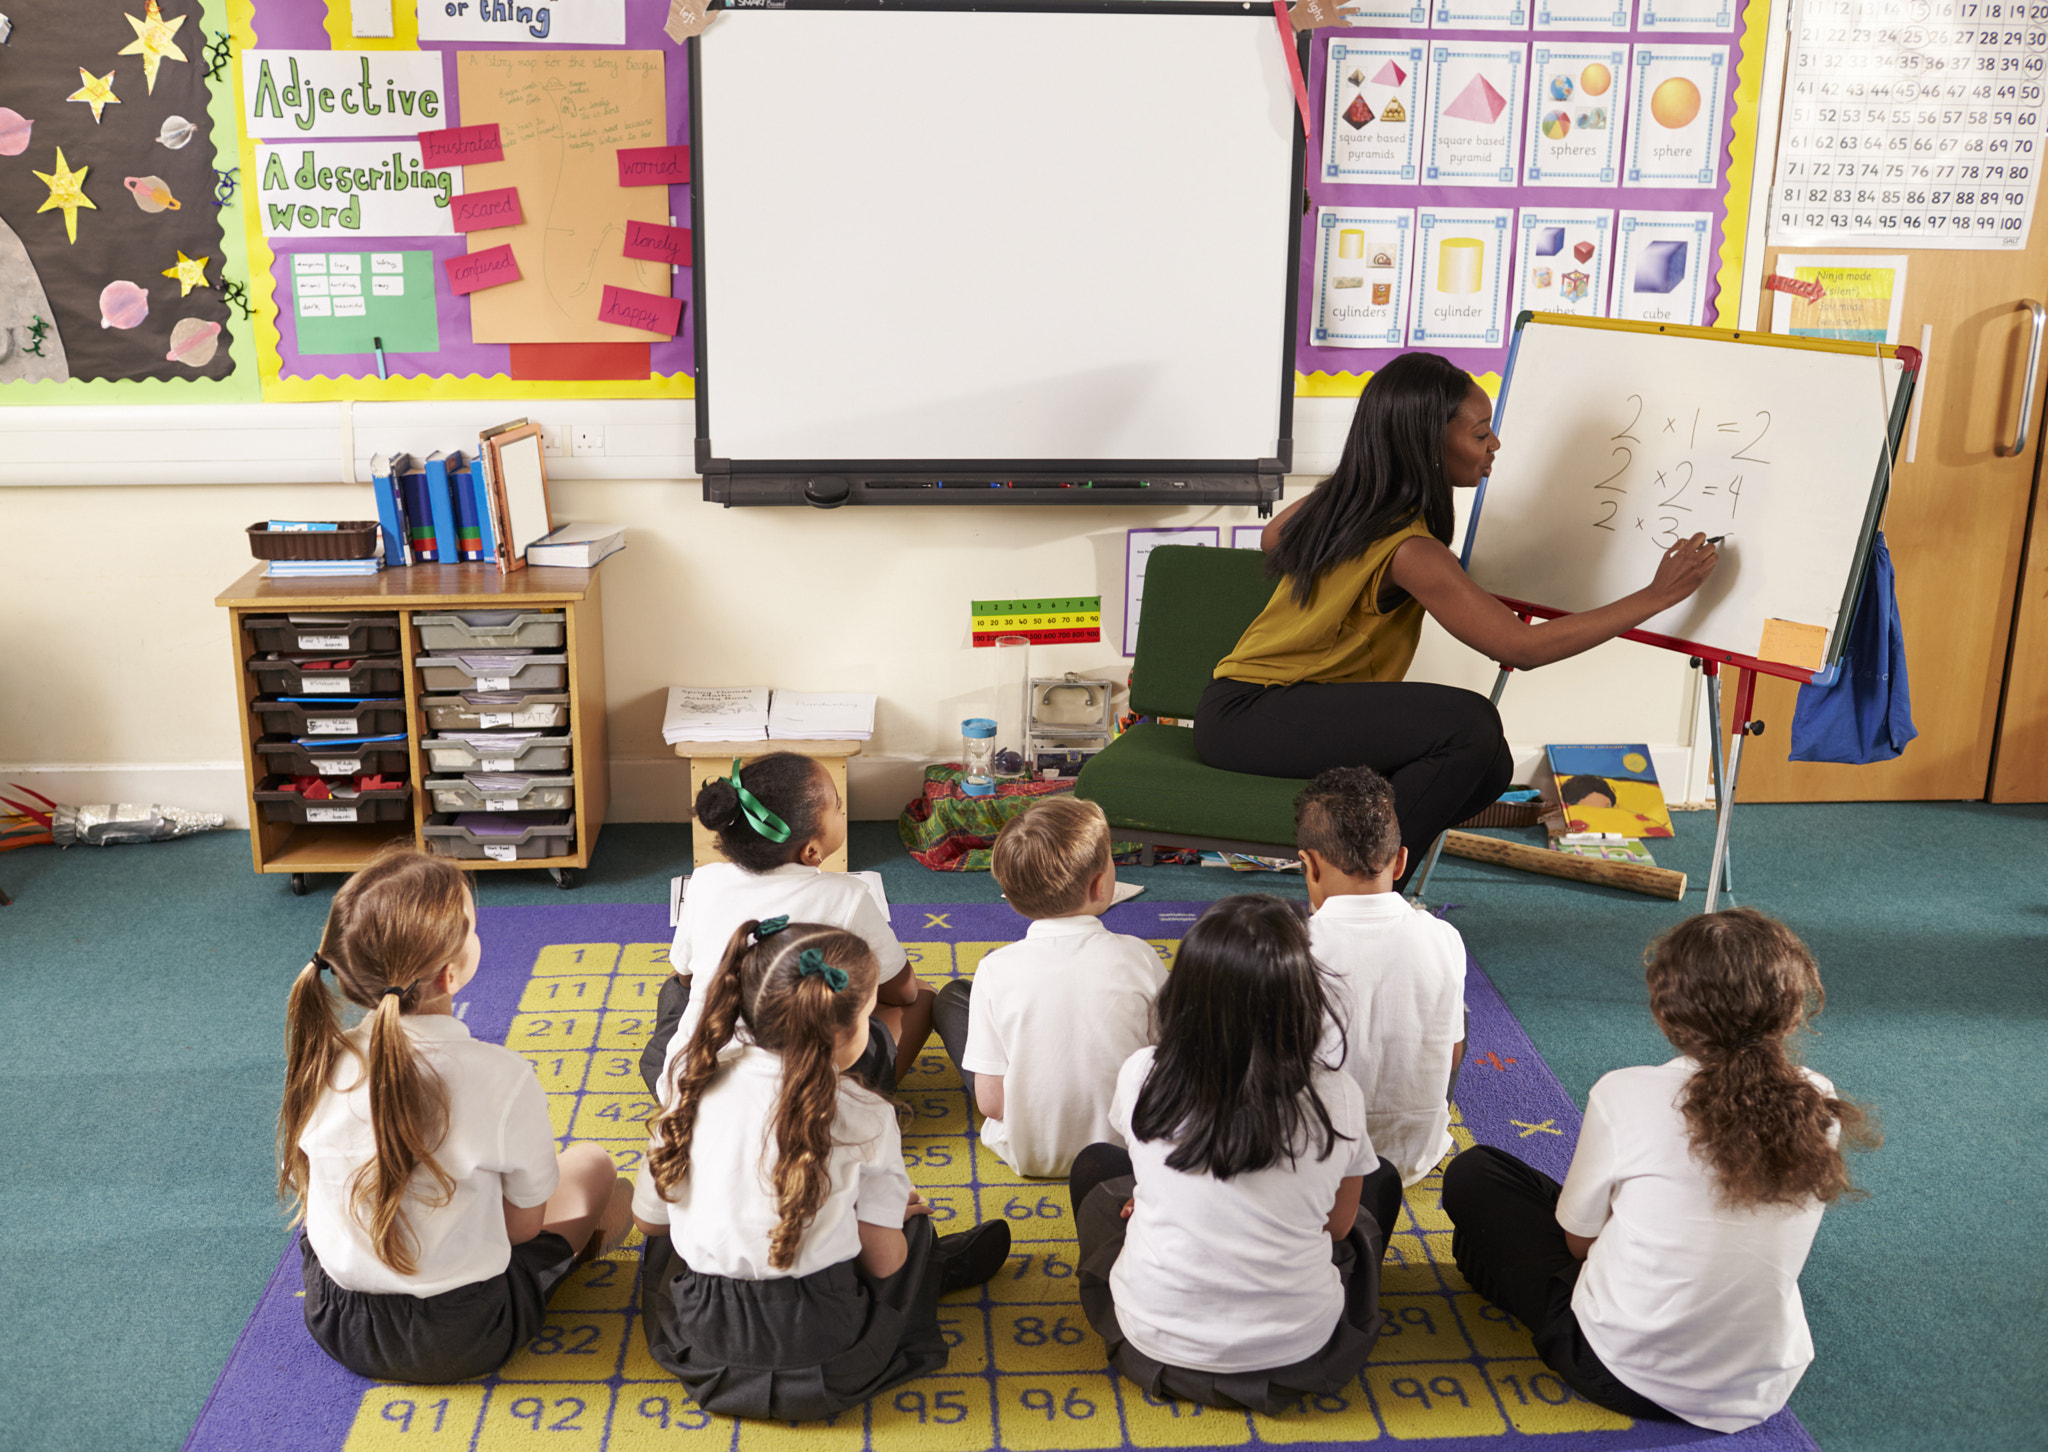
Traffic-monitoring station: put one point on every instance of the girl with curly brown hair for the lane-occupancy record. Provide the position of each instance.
(1661, 1279)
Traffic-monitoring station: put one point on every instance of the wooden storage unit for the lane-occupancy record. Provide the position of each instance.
(426, 590)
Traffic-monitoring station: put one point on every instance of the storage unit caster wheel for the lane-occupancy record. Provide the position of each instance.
(566, 878)
(301, 884)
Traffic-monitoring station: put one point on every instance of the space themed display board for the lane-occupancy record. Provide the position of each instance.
(1472, 159)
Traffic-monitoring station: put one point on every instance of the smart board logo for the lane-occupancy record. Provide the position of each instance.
(753, 4)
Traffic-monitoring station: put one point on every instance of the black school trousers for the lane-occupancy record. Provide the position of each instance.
(1441, 747)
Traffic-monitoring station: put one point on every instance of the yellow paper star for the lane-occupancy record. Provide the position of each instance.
(97, 92)
(153, 41)
(67, 193)
(190, 272)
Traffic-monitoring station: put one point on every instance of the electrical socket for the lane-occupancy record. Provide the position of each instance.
(587, 439)
(551, 444)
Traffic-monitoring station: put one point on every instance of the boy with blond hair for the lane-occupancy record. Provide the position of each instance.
(1053, 1017)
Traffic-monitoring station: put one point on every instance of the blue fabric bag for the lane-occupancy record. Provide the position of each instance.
(1867, 714)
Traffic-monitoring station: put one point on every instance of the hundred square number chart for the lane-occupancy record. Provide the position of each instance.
(1912, 122)
(573, 990)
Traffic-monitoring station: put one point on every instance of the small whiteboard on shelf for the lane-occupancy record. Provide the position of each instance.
(1618, 439)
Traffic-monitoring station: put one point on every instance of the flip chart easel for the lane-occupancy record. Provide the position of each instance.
(1823, 429)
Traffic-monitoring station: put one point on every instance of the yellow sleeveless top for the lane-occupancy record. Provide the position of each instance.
(1341, 634)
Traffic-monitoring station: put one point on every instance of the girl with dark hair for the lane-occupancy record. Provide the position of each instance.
(1316, 679)
(439, 1218)
(1662, 1278)
(790, 1270)
(1225, 1257)
(778, 817)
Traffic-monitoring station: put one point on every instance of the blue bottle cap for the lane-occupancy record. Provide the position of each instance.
(977, 728)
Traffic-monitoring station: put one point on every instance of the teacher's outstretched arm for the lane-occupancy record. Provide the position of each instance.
(1430, 573)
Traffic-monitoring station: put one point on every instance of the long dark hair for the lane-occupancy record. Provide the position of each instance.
(1390, 474)
(1240, 1019)
(792, 786)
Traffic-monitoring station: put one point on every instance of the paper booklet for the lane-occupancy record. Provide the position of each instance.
(1604, 789)
(715, 713)
(821, 716)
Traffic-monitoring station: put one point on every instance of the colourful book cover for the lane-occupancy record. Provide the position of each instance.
(1609, 789)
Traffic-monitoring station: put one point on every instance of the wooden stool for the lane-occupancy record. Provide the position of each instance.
(709, 759)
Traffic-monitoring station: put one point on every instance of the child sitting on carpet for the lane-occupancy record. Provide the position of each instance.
(1662, 1278)
(1397, 975)
(777, 818)
(438, 1216)
(790, 1271)
(1225, 1256)
(1042, 1028)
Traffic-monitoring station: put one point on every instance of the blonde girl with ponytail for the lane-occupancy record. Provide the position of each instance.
(1661, 1279)
(438, 1217)
(790, 1272)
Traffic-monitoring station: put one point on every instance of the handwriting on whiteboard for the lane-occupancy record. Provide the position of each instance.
(1674, 471)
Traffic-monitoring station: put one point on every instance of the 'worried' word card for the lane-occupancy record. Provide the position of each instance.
(1475, 113)
(1372, 122)
(1461, 277)
(654, 166)
(1364, 258)
(1575, 97)
(1562, 262)
(1660, 266)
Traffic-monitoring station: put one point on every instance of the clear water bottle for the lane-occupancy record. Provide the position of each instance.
(977, 750)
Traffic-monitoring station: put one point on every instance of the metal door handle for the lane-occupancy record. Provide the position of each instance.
(2019, 435)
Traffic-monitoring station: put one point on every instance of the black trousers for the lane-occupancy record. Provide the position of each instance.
(1380, 1196)
(1508, 1244)
(949, 1019)
(1441, 747)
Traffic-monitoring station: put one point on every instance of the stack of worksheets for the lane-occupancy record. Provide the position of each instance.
(715, 713)
(821, 716)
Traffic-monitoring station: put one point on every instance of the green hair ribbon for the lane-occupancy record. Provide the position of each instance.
(763, 821)
(811, 963)
(769, 927)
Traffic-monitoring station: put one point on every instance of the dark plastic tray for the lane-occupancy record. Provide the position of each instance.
(352, 539)
(346, 635)
(376, 675)
(284, 755)
(283, 806)
(341, 718)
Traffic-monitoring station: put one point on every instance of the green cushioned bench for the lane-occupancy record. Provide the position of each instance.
(1148, 781)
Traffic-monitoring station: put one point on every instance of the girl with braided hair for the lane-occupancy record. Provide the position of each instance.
(791, 1271)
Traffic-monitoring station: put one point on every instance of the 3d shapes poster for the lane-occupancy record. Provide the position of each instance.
(1372, 122)
(1475, 113)
(1461, 276)
(1575, 111)
(1563, 262)
(1364, 257)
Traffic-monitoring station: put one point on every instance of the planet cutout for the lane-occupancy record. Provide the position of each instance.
(122, 305)
(175, 132)
(1560, 88)
(1674, 103)
(1557, 125)
(1595, 79)
(14, 129)
(193, 342)
(150, 193)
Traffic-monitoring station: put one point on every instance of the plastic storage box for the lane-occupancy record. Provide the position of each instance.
(343, 758)
(350, 539)
(491, 630)
(535, 753)
(377, 675)
(468, 673)
(342, 717)
(486, 710)
(380, 806)
(502, 837)
(347, 635)
(536, 794)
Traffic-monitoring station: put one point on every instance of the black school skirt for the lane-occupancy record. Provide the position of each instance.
(1102, 1229)
(458, 1334)
(797, 1348)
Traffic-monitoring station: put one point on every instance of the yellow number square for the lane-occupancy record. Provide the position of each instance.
(1045, 1338)
(560, 958)
(640, 1364)
(636, 993)
(602, 1285)
(627, 1154)
(544, 1033)
(1163, 1422)
(1497, 1335)
(1419, 1328)
(1037, 1273)
(561, 1417)
(989, 1169)
(1422, 1207)
(965, 1328)
(1461, 1137)
(1439, 1243)
(560, 1073)
(645, 960)
(937, 1160)
(1058, 1412)
(844, 1433)
(652, 1417)
(1407, 1268)
(1342, 1416)
(611, 1116)
(1434, 1399)
(615, 1071)
(1035, 1211)
(933, 1414)
(952, 1208)
(568, 993)
(1538, 1401)
(561, 1109)
(434, 1419)
(572, 1346)
(626, 1030)
(933, 1071)
(967, 956)
(932, 962)
(1167, 948)
(934, 1110)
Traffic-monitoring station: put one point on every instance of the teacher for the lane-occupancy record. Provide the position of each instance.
(1316, 680)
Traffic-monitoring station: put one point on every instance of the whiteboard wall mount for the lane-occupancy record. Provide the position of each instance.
(997, 276)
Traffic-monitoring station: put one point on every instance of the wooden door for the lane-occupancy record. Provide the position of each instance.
(2019, 768)
(1957, 527)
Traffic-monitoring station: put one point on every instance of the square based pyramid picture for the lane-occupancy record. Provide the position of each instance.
(1479, 101)
(1389, 75)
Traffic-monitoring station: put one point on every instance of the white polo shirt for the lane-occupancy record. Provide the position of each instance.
(1234, 1275)
(724, 1210)
(1056, 1015)
(1400, 990)
(1692, 1304)
(499, 1147)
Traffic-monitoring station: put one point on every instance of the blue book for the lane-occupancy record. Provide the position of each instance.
(464, 474)
(390, 513)
(462, 488)
(441, 500)
(419, 518)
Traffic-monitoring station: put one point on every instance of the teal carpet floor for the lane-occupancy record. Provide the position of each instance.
(140, 1061)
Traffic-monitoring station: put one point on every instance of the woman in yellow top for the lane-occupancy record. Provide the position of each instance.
(1316, 680)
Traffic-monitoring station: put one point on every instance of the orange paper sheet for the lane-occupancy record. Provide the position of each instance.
(562, 115)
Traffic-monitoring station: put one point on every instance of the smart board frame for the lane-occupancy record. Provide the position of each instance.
(829, 482)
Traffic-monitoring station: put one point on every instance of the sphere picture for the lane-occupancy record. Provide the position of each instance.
(1595, 79)
(1675, 103)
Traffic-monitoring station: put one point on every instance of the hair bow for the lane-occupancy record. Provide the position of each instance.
(763, 821)
(769, 927)
(811, 963)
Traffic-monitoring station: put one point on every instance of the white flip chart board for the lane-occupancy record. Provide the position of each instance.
(1618, 439)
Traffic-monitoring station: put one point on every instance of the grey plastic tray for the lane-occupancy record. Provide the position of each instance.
(536, 673)
(532, 711)
(537, 834)
(541, 794)
(491, 630)
(536, 753)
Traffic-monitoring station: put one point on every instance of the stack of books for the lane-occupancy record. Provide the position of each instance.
(715, 713)
(821, 716)
(1602, 801)
(453, 507)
